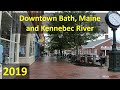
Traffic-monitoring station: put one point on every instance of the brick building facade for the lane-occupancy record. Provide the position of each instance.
(95, 47)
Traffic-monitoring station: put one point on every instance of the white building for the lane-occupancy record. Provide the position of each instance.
(18, 45)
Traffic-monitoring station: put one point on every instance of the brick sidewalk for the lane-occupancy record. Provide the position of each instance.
(49, 68)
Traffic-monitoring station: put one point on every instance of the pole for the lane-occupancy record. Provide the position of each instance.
(114, 55)
(114, 39)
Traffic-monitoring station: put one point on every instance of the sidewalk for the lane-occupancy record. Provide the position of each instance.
(50, 68)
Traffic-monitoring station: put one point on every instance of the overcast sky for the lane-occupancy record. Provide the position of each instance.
(110, 33)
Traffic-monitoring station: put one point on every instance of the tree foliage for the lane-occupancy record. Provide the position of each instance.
(71, 39)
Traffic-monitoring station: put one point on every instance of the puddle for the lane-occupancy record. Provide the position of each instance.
(113, 76)
(105, 76)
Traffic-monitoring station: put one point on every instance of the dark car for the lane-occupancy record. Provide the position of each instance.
(69, 56)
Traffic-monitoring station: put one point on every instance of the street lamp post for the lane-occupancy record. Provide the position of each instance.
(114, 39)
(113, 20)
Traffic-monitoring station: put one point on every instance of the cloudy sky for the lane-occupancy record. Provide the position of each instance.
(110, 33)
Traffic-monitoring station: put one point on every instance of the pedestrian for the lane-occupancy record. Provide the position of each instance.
(102, 58)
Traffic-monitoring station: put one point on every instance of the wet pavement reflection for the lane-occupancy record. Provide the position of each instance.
(50, 68)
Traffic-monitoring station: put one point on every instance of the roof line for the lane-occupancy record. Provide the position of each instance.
(99, 43)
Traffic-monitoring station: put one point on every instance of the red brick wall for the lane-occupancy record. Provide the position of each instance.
(91, 50)
(108, 43)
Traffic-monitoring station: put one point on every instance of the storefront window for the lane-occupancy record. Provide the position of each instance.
(15, 23)
(14, 36)
(6, 26)
(5, 51)
(31, 45)
(22, 49)
(8, 36)
(5, 36)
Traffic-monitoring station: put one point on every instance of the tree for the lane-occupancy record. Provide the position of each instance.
(72, 39)
(58, 43)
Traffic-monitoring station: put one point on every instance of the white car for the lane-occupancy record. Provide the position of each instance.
(96, 57)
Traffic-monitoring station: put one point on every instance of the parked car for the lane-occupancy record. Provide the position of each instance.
(97, 58)
(69, 56)
(90, 56)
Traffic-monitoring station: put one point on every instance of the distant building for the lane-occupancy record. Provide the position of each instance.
(95, 47)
